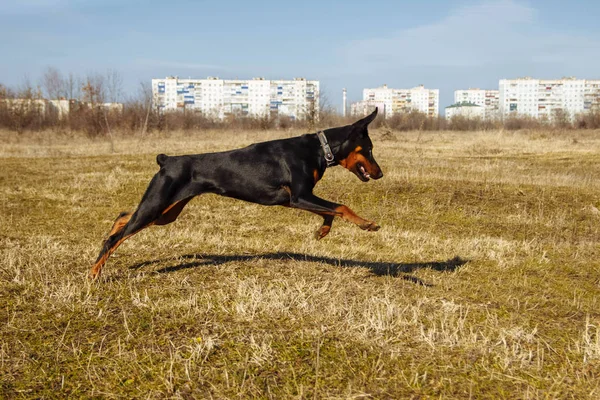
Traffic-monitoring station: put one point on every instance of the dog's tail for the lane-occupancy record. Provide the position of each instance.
(161, 159)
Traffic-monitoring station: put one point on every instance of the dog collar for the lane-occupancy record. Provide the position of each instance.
(326, 149)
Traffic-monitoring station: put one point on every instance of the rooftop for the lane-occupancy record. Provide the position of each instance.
(463, 104)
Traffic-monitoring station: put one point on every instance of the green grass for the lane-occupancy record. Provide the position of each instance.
(235, 300)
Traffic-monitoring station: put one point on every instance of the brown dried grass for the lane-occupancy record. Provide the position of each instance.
(238, 300)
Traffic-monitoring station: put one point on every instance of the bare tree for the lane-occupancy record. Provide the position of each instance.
(311, 114)
(53, 83)
(26, 90)
(93, 89)
(147, 98)
(327, 113)
(114, 85)
(94, 94)
(72, 87)
(6, 92)
(27, 109)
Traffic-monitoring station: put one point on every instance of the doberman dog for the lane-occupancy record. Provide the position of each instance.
(278, 172)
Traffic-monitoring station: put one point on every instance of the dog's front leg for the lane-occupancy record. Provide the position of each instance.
(315, 204)
(325, 228)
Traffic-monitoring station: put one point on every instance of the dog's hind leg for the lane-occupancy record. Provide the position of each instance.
(171, 213)
(139, 220)
(120, 222)
(154, 209)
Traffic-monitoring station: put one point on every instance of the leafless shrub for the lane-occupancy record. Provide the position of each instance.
(514, 123)
(561, 119)
(588, 121)
(6, 92)
(415, 121)
(26, 109)
(462, 123)
(53, 83)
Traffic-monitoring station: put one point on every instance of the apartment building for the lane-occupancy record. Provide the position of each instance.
(60, 108)
(465, 109)
(392, 101)
(544, 98)
(489, 100)
(363, 108)
(218, 98)
(591, 96)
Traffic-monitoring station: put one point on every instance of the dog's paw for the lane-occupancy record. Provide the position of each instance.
(94, 273)
(370, 226)
(322, 232)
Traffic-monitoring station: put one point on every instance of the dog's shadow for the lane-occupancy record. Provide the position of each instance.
(377, 268)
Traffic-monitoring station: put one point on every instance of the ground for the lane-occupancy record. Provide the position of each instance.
(483, 282)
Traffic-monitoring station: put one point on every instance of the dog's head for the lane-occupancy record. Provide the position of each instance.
(356, 153)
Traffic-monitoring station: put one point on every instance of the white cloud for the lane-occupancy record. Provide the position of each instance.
(489, 33)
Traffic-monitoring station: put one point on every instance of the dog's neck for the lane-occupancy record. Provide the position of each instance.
(335, 139)
(326, 149)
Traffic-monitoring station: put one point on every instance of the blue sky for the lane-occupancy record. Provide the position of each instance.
(354, 44)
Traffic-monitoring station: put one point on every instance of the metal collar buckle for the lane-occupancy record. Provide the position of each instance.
(326, 149)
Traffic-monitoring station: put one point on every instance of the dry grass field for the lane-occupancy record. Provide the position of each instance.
(483, 282)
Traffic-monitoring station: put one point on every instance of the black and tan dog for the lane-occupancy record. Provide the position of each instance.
(278, 172)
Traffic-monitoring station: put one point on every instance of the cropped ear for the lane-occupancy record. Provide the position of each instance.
(366, 120)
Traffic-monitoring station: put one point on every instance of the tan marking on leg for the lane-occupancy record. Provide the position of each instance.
(120, 222)
(351, 216)
(323, 231)
(97, 267)
(325, 227)
(170, 207)
(172, 212)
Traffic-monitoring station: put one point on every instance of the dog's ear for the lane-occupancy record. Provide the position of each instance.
(366, 120)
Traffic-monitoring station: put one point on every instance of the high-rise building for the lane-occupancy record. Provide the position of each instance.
(400, 100)
(489, 100)
(545, 98)
(217, 98)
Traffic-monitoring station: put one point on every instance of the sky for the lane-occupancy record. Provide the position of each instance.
(446, 45)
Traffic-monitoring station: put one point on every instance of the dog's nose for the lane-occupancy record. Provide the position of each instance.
(379, 175)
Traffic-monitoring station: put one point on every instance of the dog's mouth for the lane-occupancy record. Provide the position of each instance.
(362, 173)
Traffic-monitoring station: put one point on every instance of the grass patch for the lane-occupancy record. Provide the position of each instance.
(239, 300)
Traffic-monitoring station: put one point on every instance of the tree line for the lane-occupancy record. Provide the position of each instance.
(27, 108)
